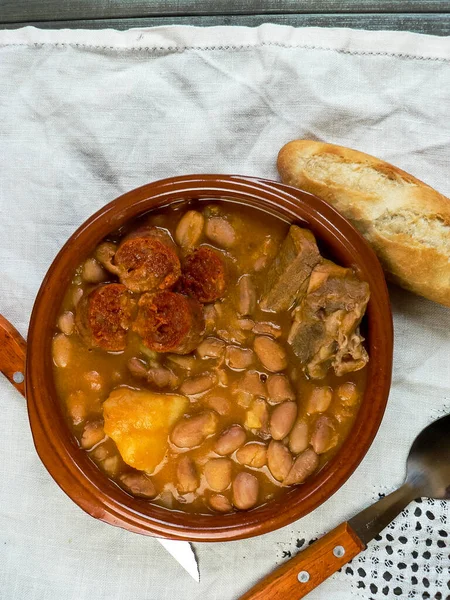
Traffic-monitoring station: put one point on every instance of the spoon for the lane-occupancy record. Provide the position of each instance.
(427, 475)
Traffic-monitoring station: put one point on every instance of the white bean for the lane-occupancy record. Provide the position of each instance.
(279, 460)
(211, 348)
(282, 419)
(253, 454)
(192, 431)
(299, 437)
(198, 384)
(279, 388)
(138, 484)
(270, 353)
(61, 350)
(348, 393)
(94, 380)
(246, 302)
(245, 490)
(239, 358)
(77, 406)
(93, 272)
(221, 232)
(304, 465)
(218, 473)
(187, 475)
(230, 440)
(93, 433)
(319, 400)
(189, 229)
(220, 503)
(66, 322)
(324, 436)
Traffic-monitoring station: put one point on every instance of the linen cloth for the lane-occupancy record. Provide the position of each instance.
(88, 115)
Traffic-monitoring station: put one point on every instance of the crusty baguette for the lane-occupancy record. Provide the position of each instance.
(406, 221)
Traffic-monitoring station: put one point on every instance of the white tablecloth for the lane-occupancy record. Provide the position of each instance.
(85, 116)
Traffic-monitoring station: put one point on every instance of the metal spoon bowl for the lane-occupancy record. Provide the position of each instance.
(427, 476)
(428, 465)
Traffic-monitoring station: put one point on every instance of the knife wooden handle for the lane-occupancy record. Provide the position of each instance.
(301, 574)
(12, 355)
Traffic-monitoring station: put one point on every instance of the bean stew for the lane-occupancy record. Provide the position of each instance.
(208, 358)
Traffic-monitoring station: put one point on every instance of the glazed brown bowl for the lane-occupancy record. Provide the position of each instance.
(71, 467)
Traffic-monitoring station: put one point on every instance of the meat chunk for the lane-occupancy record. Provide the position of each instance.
(169, 322)
(146, 261)
(204, 275)
(325, 329)
(104, 316)
(288, 275)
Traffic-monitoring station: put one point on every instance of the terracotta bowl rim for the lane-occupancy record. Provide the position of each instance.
(69, 465)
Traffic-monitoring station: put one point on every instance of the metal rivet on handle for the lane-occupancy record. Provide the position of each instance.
(18, 377)
(339, 551)
(303, 576)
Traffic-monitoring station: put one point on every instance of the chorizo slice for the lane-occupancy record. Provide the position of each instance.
(169, 322)
(104, 316)
(204, 275)
(147, 261)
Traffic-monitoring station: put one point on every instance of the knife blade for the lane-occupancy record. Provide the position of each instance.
(371, 521)
(184, 554)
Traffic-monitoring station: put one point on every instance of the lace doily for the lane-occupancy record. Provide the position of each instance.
(410, 559)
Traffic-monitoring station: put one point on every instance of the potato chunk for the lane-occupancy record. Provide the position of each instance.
(139, 422)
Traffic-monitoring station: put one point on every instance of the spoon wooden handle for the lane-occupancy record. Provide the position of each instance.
(310, 567)
(12, 354)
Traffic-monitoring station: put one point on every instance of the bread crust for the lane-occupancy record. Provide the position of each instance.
(406, 221)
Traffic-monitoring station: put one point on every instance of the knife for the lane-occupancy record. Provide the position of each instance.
(184, 554)
(298, 576)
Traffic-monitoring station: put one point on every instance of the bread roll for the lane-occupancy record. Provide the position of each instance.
(406, 221)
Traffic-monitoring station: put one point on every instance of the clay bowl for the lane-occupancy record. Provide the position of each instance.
(70, 466)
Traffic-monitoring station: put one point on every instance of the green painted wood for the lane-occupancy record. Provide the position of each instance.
(64, 10)
(424, 23)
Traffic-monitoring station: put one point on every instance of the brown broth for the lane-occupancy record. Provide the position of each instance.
(91, 374)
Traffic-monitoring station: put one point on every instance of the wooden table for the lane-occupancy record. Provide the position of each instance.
(423, 16)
